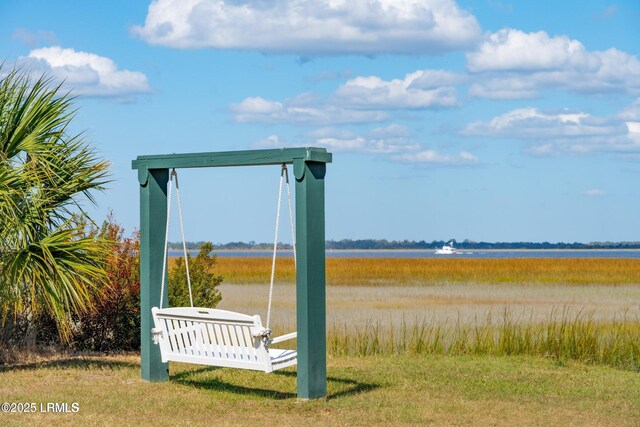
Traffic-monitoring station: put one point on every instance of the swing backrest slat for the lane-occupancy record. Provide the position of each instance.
(211, 336)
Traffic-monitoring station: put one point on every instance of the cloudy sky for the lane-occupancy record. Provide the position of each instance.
(489, 120)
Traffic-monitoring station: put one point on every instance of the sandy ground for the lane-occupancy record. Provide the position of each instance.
(442, 304)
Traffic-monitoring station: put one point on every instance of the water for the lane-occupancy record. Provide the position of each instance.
(483, 253)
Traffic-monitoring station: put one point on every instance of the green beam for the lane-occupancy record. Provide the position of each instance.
(232, 158)
(310, 280)
(153, 218)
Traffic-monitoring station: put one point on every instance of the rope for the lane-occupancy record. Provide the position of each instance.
(166, 237)
(174, 174)
(275, 249)
(284, 175)
(184, 243)
(293, 231)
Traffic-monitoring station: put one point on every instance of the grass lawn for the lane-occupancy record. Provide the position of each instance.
(446, 388)
(406, 389)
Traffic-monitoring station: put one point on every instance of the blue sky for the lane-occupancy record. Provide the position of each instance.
(489, 120)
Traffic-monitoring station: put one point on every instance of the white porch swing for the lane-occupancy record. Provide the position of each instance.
(219, 337)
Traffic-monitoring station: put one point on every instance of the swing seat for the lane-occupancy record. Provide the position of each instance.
(218, 338)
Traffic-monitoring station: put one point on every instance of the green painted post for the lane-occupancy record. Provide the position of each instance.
(310, 279)
(153, 218)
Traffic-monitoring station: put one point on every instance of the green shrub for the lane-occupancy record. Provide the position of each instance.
(113, 322)
(204, 281)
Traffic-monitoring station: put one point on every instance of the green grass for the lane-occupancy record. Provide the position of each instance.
(483, 373)
(570, 368)
(375, 390)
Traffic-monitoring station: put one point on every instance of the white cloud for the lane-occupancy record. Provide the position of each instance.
(392, 131)
(272, 141)
(359, 100)
(633, 129)
(513, 64)
(418, 90)
(511, 49)
(434, 157)
(85, 73)
(432, 79)
(357, 143)
(260, 110)
(366, 27)
(565, 132)
(504, 88)
(594, 192)
(381, 140)
(632, 112)
(392, 142)
(535, 124)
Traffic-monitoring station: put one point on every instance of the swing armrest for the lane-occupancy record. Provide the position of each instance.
(281, 338)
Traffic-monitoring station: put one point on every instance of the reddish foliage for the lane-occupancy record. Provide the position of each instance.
(114, 324)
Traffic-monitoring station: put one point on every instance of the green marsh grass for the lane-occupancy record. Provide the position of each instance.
(563, 336)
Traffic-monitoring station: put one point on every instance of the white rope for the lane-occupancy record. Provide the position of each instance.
(184, 243)
(275, 250)
(284, 173)
(166, 237)
(293, 231)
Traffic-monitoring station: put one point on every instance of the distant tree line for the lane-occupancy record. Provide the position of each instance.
(195, 246)
(361, 244)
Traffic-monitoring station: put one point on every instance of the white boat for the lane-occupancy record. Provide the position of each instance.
(447, 249)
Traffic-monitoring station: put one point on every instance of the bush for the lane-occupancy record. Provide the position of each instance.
(204, 281)
(114, 323)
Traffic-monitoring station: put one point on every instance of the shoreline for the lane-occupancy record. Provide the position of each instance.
(420, 250)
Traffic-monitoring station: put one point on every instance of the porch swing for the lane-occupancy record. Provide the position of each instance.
(219, 337)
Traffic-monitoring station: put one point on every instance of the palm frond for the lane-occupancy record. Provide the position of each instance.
(46, 259)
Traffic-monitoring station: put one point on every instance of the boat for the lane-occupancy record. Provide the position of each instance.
(447, 249)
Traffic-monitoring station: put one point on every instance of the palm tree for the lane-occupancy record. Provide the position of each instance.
(47, 261)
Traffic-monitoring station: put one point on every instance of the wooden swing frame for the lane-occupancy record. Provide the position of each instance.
(309, 169)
